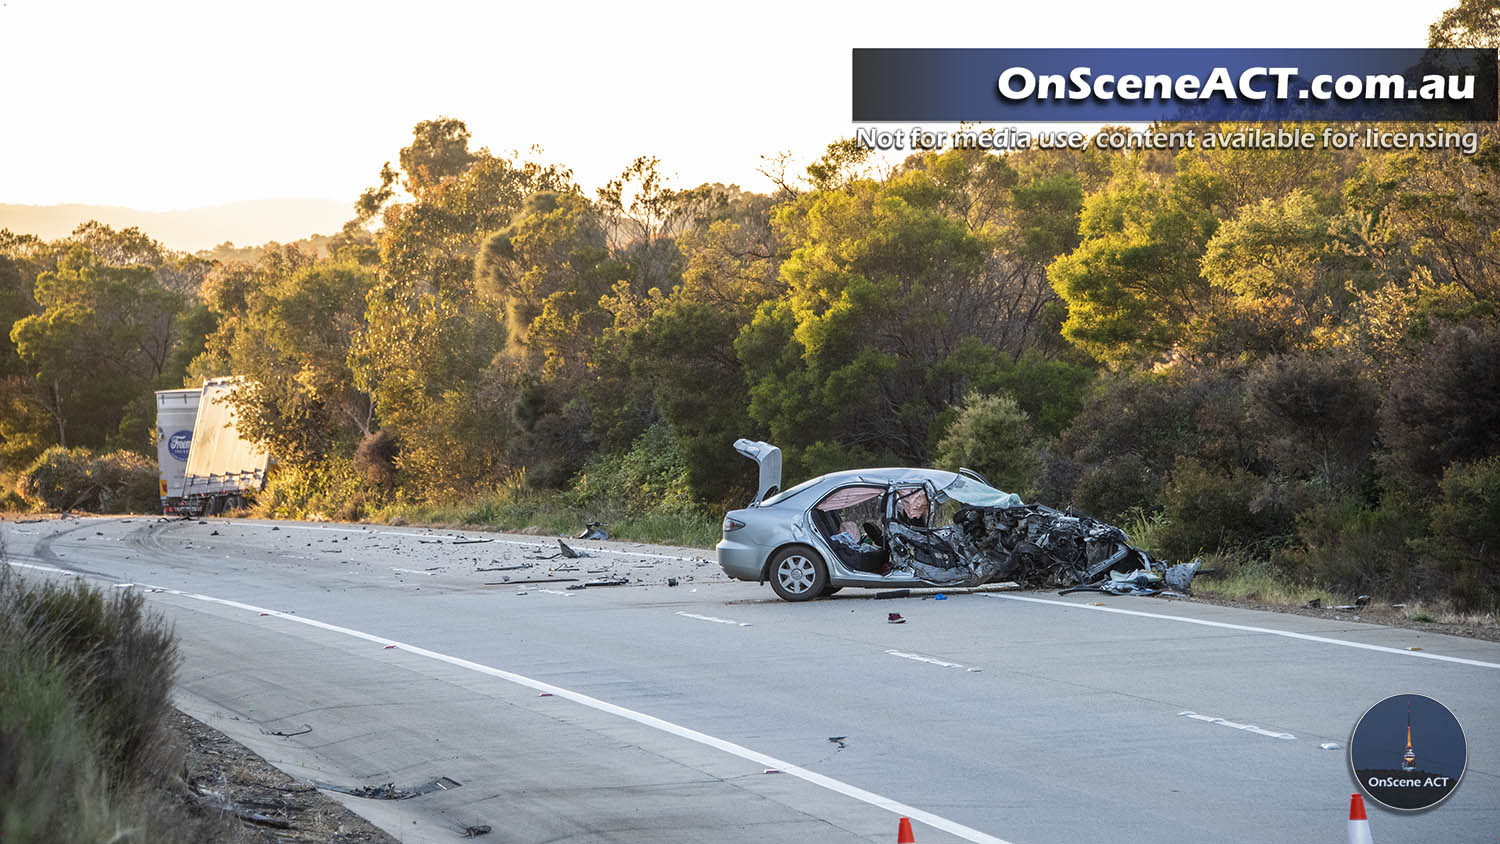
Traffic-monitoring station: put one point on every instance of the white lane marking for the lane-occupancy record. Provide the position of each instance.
(414, 571)
(556, 592)
(1249, 728)
(927, 659)
(537, 545)
(1306, 637)
(713, 619)
(765, 761)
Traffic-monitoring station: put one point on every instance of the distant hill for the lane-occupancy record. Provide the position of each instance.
(251, 222)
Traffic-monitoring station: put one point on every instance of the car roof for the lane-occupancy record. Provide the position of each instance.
(889, 475)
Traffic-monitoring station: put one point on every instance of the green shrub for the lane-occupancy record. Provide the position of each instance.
(1347, 546)
(122, 661)
(79, 479)
(1115, 486)
(329, 489)
(1465, 541)
(994, 437)
(1443, 403)
(85, 686)
(650, 477)
(1207, 510)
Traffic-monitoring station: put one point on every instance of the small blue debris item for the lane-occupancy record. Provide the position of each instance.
(939, 597)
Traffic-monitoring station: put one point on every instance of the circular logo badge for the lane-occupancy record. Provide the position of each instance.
(179, 443)
(1408, 752)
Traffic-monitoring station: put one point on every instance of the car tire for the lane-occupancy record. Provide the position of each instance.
(797, 573)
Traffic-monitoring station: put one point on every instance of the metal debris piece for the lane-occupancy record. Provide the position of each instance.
(671, 581)
(471, 541)
(306, 728)
(594, 530)
(838, 740)
(476, 831)
(389, 791)
(568, 552)
(504, 568)
(599, 583)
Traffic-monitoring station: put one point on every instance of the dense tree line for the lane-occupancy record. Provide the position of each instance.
(1289, 355)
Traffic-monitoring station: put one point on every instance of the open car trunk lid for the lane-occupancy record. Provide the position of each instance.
(768, 457)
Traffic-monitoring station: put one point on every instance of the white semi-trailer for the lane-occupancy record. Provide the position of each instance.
(219, 468)
(176, 412)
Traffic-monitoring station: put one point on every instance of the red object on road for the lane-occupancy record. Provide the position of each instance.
(903, 833)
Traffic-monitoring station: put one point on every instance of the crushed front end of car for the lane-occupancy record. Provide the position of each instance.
(993, 536)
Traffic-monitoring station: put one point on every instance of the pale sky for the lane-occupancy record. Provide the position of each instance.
(163, 105)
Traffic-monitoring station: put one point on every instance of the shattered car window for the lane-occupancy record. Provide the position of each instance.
(972, 492)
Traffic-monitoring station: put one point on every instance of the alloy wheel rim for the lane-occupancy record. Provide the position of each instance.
(796, 574)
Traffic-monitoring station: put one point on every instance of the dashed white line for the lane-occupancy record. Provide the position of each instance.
(713, 619)
(556, 592)
(760, 759)
(926, 659)
(1249, 728)
(414, 571)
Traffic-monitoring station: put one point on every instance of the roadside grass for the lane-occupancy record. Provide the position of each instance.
(85, 685)
(1239, 578)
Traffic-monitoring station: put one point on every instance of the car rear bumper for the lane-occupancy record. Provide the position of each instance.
(740, 561)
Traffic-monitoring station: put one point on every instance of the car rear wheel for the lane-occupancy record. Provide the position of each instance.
(798, 573)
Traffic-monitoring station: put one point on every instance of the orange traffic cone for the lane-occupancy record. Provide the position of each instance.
(903, 833)
(1359, 825)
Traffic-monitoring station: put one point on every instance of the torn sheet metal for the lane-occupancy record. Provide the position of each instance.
(995, 537)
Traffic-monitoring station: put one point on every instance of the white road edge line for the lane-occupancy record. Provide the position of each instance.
(1249, 728)
(927, 659)
(1306, 637)
(763, 760)
(713, 619)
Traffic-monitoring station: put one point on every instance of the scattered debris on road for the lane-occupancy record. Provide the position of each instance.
(306, 728)
(838, 740)
(567, 551)
(599, 583)
(594, 530)
(895, 618)
(389, 791)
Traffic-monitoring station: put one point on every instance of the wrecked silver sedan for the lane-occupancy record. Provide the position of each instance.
(896, 527)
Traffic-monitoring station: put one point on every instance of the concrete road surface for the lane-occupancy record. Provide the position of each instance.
(704, 712)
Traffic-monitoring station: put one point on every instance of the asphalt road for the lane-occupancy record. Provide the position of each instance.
(645, 712)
